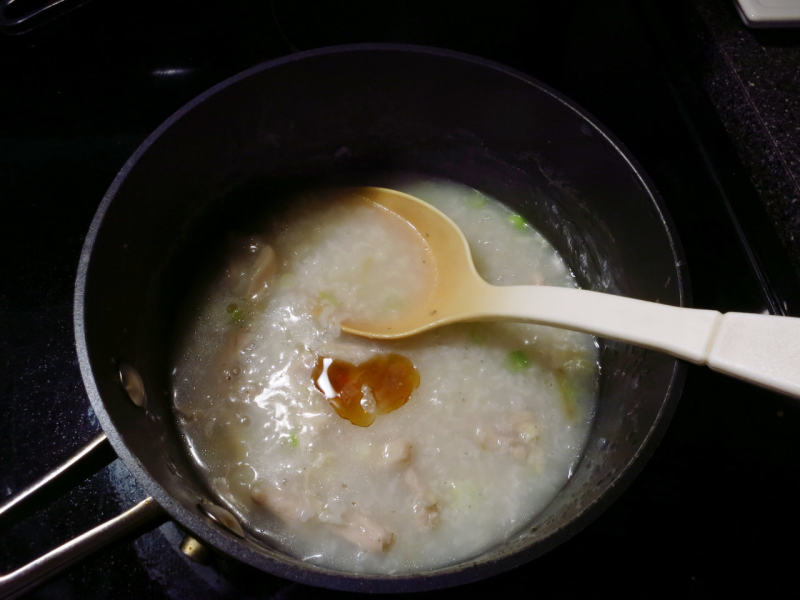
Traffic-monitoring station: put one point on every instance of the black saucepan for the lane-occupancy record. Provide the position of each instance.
(348, 113)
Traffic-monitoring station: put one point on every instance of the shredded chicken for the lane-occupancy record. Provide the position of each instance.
(516, 435)
(285, 505)
(364, 532)
(352, 525)
(397, 452)
(425, 505)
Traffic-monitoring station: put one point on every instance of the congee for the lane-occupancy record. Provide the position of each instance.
(368, 456)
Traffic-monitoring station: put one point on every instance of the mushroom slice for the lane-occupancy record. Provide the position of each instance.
(253, 262)
(264, 265)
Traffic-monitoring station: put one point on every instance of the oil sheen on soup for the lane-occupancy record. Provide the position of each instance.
(368, 456)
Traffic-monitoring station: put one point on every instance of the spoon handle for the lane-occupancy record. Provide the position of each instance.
(761, 349)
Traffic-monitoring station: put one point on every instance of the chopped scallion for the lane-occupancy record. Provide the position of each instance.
(518, 360)
(236, 314)
(518, 221)
(328, 297)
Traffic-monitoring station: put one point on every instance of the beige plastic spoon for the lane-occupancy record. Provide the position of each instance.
(761, 349)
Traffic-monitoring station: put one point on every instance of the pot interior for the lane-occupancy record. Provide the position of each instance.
(349, 114)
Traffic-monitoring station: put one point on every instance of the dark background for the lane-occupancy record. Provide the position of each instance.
(709, 108)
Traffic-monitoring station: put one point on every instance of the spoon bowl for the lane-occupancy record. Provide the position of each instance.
(761, 349)
(455, 278)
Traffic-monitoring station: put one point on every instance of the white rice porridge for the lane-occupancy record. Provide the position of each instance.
(490, 434)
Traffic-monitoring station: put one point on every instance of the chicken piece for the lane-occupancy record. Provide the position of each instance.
(523, 424)
(364, 532)
(397, 452)
(353, 526)
(425, 505)
(287, 506)
(516, 435)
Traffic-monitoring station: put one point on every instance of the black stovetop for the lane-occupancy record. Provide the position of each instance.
(712, 510)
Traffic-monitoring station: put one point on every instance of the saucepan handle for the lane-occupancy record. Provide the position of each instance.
(135, 521)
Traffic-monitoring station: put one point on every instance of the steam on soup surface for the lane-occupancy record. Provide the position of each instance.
(380, 457)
